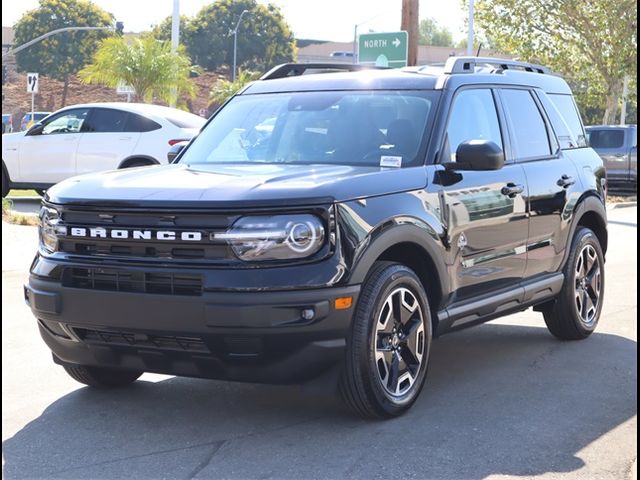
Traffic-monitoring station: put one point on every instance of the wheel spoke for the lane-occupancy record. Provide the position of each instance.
(583, 304)
(385, 324)
(394, 374)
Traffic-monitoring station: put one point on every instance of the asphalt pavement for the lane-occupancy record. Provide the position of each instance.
(502, 400)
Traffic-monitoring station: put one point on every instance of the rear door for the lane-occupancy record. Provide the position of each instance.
(553, 179)
(105, 141)
(484, 211)
(50, 157)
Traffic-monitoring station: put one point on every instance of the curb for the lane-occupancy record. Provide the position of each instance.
(614, 206)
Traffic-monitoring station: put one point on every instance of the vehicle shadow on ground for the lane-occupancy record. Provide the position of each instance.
(499, 400)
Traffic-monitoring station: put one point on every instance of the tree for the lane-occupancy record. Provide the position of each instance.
(224, 89)
(433, 34)
(64, 53)
(264, 38)
(146, 64)
(592, 42)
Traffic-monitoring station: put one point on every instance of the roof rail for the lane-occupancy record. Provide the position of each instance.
(296, 69)
(469, 64)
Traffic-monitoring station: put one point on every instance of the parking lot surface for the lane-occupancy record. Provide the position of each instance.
(503, 400)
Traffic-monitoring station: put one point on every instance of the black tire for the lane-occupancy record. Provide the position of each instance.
(102, 377)
(566, 320)
(5, 183)
(361, 384)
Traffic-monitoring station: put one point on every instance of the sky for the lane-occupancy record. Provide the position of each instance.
(318, 19)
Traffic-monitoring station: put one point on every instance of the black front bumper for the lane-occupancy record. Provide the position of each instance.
(258, 336)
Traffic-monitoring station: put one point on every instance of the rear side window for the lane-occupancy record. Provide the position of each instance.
(105, 120)
(138, 123)
(530, 135)
(568, 109)
(606, 138)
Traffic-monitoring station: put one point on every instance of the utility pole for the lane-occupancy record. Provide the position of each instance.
(175, 41)
(410, 21)
(470, 39)
(625, 98)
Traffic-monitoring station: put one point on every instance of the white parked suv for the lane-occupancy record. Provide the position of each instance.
(91, 138)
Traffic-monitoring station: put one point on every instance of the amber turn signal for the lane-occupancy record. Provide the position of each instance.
(343, 303)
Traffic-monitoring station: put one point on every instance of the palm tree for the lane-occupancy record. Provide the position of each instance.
(224, 88)
(146, 64)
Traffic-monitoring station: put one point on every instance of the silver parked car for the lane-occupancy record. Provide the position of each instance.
(618, 147)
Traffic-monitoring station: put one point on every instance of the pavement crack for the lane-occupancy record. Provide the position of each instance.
(207, 460)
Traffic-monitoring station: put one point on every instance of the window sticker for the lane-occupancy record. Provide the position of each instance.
(390, 161)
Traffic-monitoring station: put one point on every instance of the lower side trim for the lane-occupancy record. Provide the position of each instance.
(497, 304)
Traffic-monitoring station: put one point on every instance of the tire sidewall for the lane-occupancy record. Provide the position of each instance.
(393, 277)
(583, 237)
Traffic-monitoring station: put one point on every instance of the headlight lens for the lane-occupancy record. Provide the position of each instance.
(280, 237)
(49, 229)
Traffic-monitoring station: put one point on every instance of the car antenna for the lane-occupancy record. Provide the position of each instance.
(479, 49)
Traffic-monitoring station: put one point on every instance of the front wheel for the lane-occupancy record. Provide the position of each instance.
(389, 344)
(577, 309)
(102, 377)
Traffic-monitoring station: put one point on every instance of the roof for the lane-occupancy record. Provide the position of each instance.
(406, 79)
(142, 108)
(612, 127)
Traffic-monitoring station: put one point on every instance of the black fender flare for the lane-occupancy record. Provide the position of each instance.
(587, 204)
(402, 233)
(149, 158)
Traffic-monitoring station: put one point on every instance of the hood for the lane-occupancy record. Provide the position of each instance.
(234, 185)
(12, 138)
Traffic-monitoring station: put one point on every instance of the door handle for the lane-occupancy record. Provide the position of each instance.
(511, 190)
(565, 181)
(124, 138)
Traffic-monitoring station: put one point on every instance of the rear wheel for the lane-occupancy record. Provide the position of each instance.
(389, 344)
(102, 377)
(138, 163)
(5, 183)
(577, 309)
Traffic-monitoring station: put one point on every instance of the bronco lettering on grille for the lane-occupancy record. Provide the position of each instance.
(123, 234)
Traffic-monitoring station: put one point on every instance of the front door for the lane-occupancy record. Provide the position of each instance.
(50, 157)
(484, 212)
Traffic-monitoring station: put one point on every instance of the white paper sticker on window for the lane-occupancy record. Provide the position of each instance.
(390, 161)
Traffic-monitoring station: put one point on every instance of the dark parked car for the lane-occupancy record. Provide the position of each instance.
(618, 147)
(337, 219)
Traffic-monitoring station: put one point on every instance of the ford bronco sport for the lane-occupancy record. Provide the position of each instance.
(337, 218)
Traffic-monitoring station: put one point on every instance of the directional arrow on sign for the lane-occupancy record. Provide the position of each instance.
(396, 42)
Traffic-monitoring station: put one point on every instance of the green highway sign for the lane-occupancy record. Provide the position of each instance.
(389, 49)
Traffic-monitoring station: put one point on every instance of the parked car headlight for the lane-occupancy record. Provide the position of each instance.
(50, 229)
(279, 237)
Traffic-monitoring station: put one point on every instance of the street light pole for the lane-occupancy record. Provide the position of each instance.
(235, 45)
(48, 34)
(471, 28)
(175, 41)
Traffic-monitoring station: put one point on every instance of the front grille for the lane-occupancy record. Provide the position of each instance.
(141, 340)
(119, 280)
(149, 249)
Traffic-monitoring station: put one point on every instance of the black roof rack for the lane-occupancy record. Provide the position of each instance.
(296, 69)
(469, 64)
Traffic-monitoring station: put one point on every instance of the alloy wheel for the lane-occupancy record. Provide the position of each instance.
(588, 285)
(399, 342)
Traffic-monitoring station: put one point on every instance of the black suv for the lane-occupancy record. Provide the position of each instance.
(338, 218)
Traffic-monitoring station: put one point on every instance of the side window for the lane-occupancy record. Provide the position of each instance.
(138, 123)
(530, 135)
(106, 120)
(607, 138)
(569, 111)
(473, 117)
(70, 121)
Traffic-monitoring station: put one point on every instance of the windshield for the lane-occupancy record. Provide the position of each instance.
(374, 128)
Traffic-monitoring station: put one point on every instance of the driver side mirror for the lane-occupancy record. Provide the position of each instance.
(36, 129)
(175, 150)
(478, 155)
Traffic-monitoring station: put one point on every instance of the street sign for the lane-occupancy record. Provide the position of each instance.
(388, 49)
(32, 83)
(124, 89)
